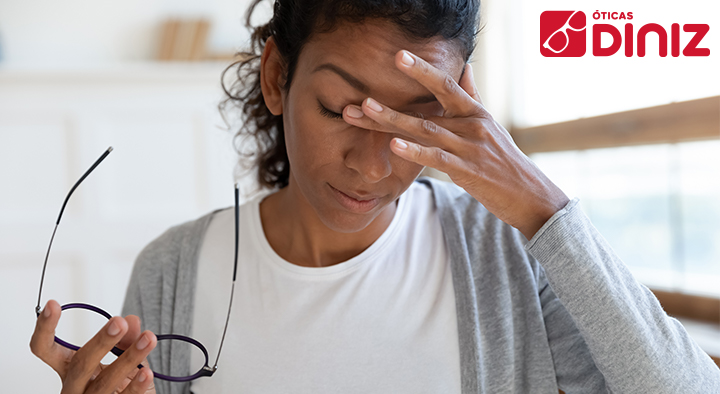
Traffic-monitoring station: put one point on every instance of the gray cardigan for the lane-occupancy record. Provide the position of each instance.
(560, 311)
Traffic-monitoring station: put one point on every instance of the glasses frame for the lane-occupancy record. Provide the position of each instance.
(206, 370)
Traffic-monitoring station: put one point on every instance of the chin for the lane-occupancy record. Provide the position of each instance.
(342, 220)
(346, 222)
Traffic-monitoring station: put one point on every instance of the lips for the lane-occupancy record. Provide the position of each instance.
(354, 201)
(360, 196)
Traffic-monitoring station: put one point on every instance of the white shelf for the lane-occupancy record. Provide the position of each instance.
(131, 72)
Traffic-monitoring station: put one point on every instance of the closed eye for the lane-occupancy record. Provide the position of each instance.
(327, 113)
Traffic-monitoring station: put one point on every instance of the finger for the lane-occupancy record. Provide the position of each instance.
(416, 128)
(451, 96)
(132, 334)
(427, 156)
(425, 131)
(86, 360)
(467, 83)
(42, 343)
(112, 376)
(142, 382)
(354, 115)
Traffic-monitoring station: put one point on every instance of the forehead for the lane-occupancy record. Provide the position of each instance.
(367, 52)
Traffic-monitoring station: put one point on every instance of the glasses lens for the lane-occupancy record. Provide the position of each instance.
(188, 366)
(558, 41)
(577, 21)
(78, 325)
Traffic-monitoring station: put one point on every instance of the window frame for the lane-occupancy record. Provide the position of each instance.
(682, 121)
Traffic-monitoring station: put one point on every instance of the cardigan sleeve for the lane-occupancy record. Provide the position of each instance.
(635, 345)
(575, 369)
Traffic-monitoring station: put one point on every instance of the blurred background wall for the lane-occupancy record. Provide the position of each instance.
(81, 32)
(79, 76)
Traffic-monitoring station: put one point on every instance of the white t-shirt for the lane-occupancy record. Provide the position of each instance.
(383, 321)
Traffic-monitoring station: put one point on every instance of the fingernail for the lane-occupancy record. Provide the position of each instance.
(400, 144)
(114, 329)
(142, 376)
(407, 59)
(46, 311)
(373, 105)
(354, 112)
(143, 342)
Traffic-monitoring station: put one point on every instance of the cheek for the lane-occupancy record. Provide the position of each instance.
(311, 140)
(405, 170)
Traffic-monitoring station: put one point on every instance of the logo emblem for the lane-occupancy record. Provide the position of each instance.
(563, 33)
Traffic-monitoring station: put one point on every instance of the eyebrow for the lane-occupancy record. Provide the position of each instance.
(359, 85)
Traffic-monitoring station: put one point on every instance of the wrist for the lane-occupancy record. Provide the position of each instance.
(541, 214)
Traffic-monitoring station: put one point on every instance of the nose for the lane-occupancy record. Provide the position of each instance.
(369, 155)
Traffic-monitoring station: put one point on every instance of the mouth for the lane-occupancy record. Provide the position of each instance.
(354, 202)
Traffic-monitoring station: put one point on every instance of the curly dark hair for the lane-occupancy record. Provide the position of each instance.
(292, 25)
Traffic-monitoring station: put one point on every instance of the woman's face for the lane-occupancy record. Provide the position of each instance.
(329, 157)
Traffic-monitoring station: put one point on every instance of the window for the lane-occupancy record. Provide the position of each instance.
(636, 139)
(657, 205)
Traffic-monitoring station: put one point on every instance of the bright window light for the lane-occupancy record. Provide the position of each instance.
(657, 205)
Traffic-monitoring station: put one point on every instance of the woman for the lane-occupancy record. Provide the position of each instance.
(354, 275)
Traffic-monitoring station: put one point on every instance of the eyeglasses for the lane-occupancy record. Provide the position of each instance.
(562, 30)
(206, 370)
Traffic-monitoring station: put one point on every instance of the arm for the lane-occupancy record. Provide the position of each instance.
(635, 345)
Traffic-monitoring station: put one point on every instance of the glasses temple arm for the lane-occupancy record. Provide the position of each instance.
(42, 277)
(47, 254)
(237, 230)
(232, 289)
(82, 178)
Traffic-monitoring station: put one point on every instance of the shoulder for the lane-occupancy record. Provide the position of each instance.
(164, 251)
(160, 270)
(458, 209)
(444, 191)
(475, 235)
(453, 202)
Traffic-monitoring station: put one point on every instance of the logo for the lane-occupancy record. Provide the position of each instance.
(563, 33)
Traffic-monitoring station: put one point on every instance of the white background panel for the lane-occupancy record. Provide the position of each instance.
(32, 154)
(142, 180)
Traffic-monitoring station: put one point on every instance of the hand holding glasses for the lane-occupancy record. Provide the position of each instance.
(80, 368)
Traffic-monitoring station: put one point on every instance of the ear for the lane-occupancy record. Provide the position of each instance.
(271, 77)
